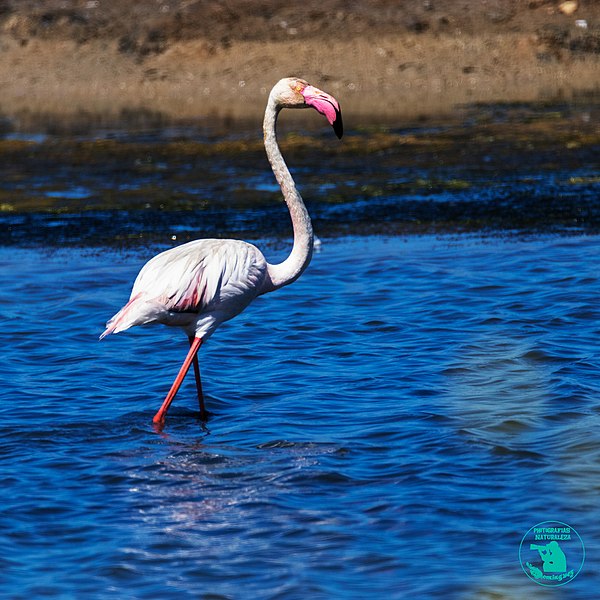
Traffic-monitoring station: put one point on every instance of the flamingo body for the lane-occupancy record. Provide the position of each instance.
(201, 284)
(196, 286)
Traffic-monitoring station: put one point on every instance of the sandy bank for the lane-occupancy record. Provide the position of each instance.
(376, 73)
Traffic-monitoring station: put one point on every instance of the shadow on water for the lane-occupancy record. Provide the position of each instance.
(500, 168)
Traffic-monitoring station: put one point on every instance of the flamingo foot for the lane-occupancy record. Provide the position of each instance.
(195, 344)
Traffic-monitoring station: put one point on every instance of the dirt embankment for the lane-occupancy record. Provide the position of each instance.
(382, 58)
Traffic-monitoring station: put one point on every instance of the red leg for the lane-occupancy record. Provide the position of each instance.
(159, 417)
(203, 413)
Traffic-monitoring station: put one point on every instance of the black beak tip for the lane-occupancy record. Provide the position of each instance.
(338, 125)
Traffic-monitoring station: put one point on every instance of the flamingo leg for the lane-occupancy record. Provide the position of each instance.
(203, 413)
(159, 417)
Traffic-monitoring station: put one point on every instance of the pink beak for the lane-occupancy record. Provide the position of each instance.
(327, 105)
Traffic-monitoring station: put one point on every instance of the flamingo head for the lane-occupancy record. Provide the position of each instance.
(292, 92)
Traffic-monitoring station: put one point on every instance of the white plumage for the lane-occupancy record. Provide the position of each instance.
(196, 286)
(201, 284)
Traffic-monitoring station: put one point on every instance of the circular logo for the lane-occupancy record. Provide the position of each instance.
(551, 553)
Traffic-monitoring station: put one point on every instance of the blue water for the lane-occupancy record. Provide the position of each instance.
(389, 426)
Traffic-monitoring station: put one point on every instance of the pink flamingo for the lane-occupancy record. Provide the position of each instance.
(201, 284)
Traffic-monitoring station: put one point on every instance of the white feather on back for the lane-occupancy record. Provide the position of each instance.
(199, 275)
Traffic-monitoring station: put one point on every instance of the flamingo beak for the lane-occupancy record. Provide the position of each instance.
(327, 105)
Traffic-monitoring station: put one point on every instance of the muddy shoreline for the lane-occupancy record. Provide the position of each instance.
(502, 170)
(180, 60)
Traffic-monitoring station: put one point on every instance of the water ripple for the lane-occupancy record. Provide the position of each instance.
(363, 430)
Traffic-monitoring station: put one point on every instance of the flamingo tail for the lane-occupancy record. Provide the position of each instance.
(138, 311)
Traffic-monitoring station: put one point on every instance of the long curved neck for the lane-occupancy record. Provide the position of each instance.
(293, 266)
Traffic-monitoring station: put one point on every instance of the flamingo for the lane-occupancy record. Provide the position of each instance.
(203, 283)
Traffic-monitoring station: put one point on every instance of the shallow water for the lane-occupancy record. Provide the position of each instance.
(391, 425)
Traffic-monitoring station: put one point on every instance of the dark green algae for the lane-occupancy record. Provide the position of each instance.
(502, 168)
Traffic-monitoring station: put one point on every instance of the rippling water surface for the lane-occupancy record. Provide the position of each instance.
(389, 426)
